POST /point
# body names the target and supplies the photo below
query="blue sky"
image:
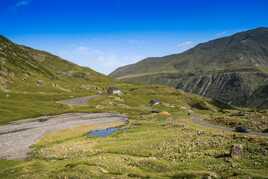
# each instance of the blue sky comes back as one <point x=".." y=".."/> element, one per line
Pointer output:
<point x="106" y="34"/>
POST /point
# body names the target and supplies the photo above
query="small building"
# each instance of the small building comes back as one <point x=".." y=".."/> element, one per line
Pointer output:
<point x="114" y="91"/>
<point x="155" y="102"/>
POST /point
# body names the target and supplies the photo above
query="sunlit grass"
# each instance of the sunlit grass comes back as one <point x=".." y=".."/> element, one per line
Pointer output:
<point x="151" y="145"/>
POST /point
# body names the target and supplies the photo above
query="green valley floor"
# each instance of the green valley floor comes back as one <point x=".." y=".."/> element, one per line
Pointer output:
<point x="159" y="141"/>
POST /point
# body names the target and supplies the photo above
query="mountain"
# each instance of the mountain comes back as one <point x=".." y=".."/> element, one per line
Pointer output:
<point x="232" y="69"/>
<point x="24" y="69"/>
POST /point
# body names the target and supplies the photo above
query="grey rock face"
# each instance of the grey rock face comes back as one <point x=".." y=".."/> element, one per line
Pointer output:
<point x="231" y="87"/>
<point x="232" y="69"/>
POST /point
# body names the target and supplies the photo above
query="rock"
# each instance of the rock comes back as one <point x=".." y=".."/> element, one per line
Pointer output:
<point x="200" y="105"/>
<point x="265" y="130"/>
<point x="99" y="92"/>
<point x="241" y="129"/>
<point x="155" y="102"/>
<point x="114" y="91"/>
<point x="43" y="119"/>
<point x="236" y="151"/>
<point x="200" y="133"/>
<point x="189" y="112"/>
<point x="39" y="82"/>
<point x="155" y="111"/>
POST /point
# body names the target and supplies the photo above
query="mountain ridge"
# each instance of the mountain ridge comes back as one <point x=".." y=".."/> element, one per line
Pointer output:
<point x="24" y="68"/>
<point x="200" y="67"/>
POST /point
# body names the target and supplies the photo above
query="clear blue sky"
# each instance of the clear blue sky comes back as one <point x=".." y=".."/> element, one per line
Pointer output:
<point x="105" y="34"/>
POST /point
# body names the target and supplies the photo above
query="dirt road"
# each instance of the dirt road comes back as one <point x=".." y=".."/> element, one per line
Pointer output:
<point x="17" y="137"/>
<point x="199" y="121"/>
<point x="78" y="101"/>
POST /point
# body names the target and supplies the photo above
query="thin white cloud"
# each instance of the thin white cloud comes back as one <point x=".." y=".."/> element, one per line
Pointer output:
<point x="22" y="3"/>
<point x="99" y="60"/>
<point x="220" y="34"/>
<point x="182" y="46"/>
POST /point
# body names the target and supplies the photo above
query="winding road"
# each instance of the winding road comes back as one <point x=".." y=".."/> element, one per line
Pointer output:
<point x="78" y="101"/>
<point x="199" y="121"/>
<point x="17" y="137"/>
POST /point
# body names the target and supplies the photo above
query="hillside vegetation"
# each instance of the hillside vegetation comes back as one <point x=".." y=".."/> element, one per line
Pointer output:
<point x="230" y="69"/>
<point x="159" y="141"/>
<point x="31" y="81"/>
<point x="26" y="69"/>
<point x="151" y="145"/>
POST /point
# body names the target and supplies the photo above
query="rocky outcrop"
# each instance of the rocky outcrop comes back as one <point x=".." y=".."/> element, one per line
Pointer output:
<point x="259" y="98"/>
<point x="231" y="87"/>
<point x="231" y="69"/>
<point x="241" y="88"/>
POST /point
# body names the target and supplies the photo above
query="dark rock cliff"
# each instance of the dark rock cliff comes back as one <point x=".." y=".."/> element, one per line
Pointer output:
<point x="232" y="69"/>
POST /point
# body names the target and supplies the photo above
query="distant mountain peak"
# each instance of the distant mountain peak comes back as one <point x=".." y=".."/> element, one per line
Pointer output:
<point x="229" y="69"/>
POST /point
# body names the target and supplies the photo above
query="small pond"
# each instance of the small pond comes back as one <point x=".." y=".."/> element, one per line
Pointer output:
<point x="102" y="132"/>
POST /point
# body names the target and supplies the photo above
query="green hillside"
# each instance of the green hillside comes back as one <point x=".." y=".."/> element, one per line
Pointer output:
<point x="160" y="141"/>
<point x="26" y="69"/>
<point x="228" y="69"/>
<point x="31" y="81"/>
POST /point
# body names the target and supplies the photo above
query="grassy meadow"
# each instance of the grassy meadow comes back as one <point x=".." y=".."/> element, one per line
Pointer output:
<point x="150" y="145"/>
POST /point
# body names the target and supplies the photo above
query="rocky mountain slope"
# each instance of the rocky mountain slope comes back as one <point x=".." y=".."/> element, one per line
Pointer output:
<point x="24" y="69"/>
<point x="232" y="69"/>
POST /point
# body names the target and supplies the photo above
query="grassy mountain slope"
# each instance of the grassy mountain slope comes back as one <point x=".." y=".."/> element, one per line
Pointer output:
<point x="152" y="145"/>
<point x="26" y="69"/>
<point x="228" y="69"/>
<point x="32" y="80"/>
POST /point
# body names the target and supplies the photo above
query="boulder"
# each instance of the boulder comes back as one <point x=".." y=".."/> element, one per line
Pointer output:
<point x="155" y="102"/>
<point x="241" y="129"/>
<point x="200" y="105"/>
<point x="39" y="82"/>
<point x="43" y="119"/>
<point x="99" y="92"/>
<point x="155" y="111"/>
<point x="236" y="151"/>
<point x="265" y="130"/>
<point x="189" y="112"/>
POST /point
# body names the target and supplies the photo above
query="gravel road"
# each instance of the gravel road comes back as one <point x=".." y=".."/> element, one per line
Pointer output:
<point x="199" y="121"/>
<point x="17" y="137"/>
<point x="78" y="101"/>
